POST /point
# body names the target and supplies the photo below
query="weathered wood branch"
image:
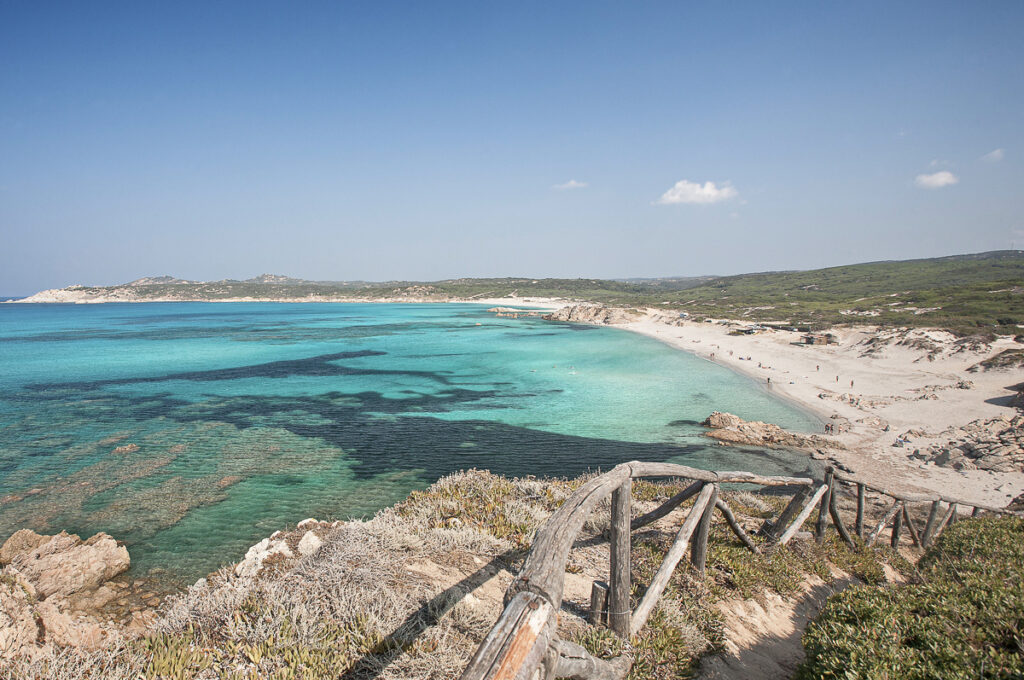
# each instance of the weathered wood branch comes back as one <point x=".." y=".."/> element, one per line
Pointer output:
<point x="884" y="521"/>
<point x="805" y="512"/>
<point x="822" y="523"/>
<point x="672" y="557"/>
<point x="910" y="497"/>
<point x="517" y="644"/>
<point x="773" y="530"/>
<point x="726" y="511"/>
<point x="645" y="469"/>
<point x="911" y="529"/>
<point x="544" y="569"/>
<point x="946" y="520"/>
<point x="667" y="507"/>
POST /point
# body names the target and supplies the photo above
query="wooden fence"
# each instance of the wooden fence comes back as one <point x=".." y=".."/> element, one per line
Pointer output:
<point x="524" y="645"/>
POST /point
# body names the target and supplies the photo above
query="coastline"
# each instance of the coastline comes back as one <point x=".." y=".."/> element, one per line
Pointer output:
<point x="884" y="389"/>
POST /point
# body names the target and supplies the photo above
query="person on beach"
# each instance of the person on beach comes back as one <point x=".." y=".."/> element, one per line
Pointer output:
<point x="851" y="383"/>
<point x="769" y="380"/>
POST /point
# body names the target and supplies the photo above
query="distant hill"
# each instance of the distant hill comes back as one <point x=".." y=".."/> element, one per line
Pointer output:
<point x="960" y="292"/>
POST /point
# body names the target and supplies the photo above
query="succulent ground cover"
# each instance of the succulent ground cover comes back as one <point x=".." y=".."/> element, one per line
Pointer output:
<point x="963" y="619"/>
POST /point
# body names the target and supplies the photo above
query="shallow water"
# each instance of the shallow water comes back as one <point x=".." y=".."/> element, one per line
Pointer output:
<point x="192" y="430"/>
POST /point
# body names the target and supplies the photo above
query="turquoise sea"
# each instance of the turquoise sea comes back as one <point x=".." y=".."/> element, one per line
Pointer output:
<point x="192" y="430"/>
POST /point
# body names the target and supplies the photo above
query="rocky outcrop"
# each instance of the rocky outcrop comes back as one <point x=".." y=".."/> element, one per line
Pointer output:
<point x="50" y="589"/>
<point x="18" y="630"/>
<point x="20" y="542"/>
<point x="254" y="558"/>
<point x="284" y="547"/>
<point x="730" y="429"/>
<point x="996" y="444"/>
<point x="594" y="314"/>
<point x="63" y="565"/>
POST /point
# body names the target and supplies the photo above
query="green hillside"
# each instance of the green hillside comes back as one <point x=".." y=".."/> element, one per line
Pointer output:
<point x="965" y="293"/>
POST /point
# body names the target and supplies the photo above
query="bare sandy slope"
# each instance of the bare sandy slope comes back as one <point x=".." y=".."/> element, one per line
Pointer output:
<point x="863" y="391"/>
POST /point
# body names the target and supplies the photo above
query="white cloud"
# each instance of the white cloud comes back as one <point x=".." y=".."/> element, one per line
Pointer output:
<point x="685" y="191"/>
<point x="994" y="156"/>
<point x="571" y="184"/>
<point x="936" y="180"/>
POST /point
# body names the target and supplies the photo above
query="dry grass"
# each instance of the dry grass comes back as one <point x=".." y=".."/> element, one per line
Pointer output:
<point x="411" y="592"/>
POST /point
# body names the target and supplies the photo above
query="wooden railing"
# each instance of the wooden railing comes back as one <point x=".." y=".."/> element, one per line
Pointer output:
<point x="524" y="645"/>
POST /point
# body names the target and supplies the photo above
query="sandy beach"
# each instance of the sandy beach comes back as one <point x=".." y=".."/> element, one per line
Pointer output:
<point x="872" y="390"/>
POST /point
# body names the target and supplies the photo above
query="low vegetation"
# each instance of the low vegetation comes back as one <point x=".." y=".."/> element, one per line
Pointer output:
<point x="964" y="619"/>
<point x="389" y="597"/>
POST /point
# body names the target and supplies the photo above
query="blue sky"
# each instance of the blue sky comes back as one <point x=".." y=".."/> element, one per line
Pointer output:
<point x="383" y="140"/>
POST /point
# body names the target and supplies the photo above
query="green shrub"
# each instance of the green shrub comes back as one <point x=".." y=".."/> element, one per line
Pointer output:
<point x="965" y="619"/>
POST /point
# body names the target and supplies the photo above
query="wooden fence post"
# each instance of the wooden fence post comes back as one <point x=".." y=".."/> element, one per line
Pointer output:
<point x="699" y="552"/>
<point x="929" y="528"/>
<point x="860" y="510"/>
<point x="598" y="603"/>
<point x="897" y="528"/>
<point x="618" y="595"/>
<point x="833" y="510"/>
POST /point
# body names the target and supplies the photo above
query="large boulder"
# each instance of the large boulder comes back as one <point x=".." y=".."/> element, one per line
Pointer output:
<point x="64" y="564"/>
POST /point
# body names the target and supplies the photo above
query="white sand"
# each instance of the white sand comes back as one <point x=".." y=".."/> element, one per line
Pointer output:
<point x="887" y="384"/>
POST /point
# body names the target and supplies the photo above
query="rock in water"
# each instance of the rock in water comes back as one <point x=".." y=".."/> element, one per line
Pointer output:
<point x="725" y="427"/>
